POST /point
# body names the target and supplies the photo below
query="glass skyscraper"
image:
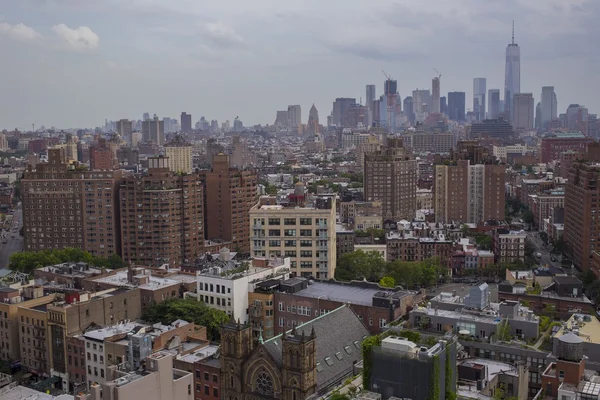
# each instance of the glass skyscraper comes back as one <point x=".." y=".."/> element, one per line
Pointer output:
<point x="512" y="76"/>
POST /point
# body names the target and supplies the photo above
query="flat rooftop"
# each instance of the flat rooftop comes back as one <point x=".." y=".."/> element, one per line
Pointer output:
<point x="22" y="392"/>
<point x="103" y="333"/>
<point x="588" y="326"/>
<point x="120" y="279"/>
<point x="201" y="354"/>
<point x="343" y="293"/>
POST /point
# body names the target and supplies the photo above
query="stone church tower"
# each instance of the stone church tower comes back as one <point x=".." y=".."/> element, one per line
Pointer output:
<point x="249" y="373"/>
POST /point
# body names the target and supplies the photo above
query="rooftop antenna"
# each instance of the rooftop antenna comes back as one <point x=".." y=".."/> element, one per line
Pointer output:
<point x="513" y="32"/>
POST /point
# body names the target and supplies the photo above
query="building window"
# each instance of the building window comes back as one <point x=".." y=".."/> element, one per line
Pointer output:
<point x="370" y="321"/>
<point x="561" y="374"/>
<point x="206" y="390"/>
<point x="281" y="322"/>
<point x="215" y="379"/>
<point x="215" y="392"/>
<point x="206" y="375"/>
<point x="189" y="389"/>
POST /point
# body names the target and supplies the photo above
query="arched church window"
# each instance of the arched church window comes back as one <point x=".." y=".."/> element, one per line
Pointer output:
<point x="264" y="383"/>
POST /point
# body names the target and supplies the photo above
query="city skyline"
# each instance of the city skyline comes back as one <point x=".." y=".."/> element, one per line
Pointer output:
<point x="76" y="53"/>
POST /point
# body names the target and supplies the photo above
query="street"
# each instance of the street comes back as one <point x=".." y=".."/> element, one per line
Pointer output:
<point x="14" y="242"/>
<point x="538" y="244"/>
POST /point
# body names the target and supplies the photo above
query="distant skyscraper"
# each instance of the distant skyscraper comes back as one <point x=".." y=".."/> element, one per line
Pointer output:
<point x="523" y="111"/>
<point x="409" y="111"/>
<point x="186" y="122"/>
<point x="294" y="116"/>
<point x="538" y="116"/>
<point x="371" y="93"/>
<point x="340" y="107"/>
<point x="443" y="105"/>
<point x="479" y="88"/>
<point x="456" y="106"/>
<point x="435" y="95"/>
<point x="146" y="116"/>
<point x="153" y="130"/>
<point x="124" y="128"/>
<point x="313" y="121"/>
<point x="281" y="120"/>
<point x="549" y="105"/>
<point x="391" y="95"/>
<point x="421" y="104"/>
<point x="512" y="76"/>
<point x="493" y="103"/>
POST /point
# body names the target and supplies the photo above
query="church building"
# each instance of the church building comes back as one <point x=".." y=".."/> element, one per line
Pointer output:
<point x="307" y="360"/>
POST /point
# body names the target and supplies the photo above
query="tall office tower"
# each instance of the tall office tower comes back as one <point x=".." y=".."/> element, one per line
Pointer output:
<point x="390" y="95"/>
<point x="512" y="75"/>
<point x="340" y="107"/>
<point x="124" y="128"/>
<point x="493" y="103"/>
<point x="390" y="176"/>
<point x="421" y="104"/>
<point x="538" y="116"/>
<point x="371" y="94"/>
<point x="230" y="194"/>
<point x="582" y="232"/>
<point x="576" y="118"/>
<point x="304" y="232"/>
<point x="161" y="216"/>
<point x="153" y="130"/>
<point x="186" y="122"/>
<point x="409" y="111"/>
<point x="435" y="95"/>
<point x="443" y="105"/>
<point x="103" y="155"/>
<point x="549" y="106"/>
<point x="456" y="106"/>
<point x="146" y="116"/>
<point x="179" y="155"/>
<point x="294" y="117"/>
<point x="468" y="193"/>
<point x="479" y="88"/>
<point x="61" y="207"/>
<point x="313" y="121"/>
<point x="281" y="119"/>
<point x="523" y="111"/>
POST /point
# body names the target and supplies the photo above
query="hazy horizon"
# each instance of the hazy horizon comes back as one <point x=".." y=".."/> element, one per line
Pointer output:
<point x="74" y="63"/>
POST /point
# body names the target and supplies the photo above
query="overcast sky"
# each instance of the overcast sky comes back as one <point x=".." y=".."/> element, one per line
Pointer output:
<point x="73" y="63"/>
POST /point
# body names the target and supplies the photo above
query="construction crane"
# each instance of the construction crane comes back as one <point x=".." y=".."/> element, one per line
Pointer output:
<point x="438" y="72"/>
<point x="388" y="77"/>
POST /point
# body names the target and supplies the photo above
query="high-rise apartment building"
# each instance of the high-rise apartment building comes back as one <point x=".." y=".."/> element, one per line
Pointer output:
<point x="179" y="155"/>
<point x="523" y="110"/>
<point x="186" y="122"/>
<point x="479" y="89"/>
<point x="281" y="119"/>
<point x="304" y="233"/>
<point x="549" y="106"/>
<point x="162" y="216"/>
<point x="435" y="95"/>
<point x="313" y="121"/>
<point x="340" y="108"/>
<point x="512" y="75"/>
<point x="124" y="127"/>
<point x="153" y="130"/>
<point x="370" y="98"/>
<point x="66" y="207"/>
<point x="456" y="106"/>
<point x="421" y="103"/>
<point x="493" y="103"/>
<point x="103" y="155"/>
<point x="390" y="176"/>
<point x="294" y="116"/>
<point x="230" y="194"/>
<point x="468" y="193"/>
<point x="538" y="116"/>
<point x="443" y="105"/>
<point x="582" y="231"/>
<point x="409" y="111"/>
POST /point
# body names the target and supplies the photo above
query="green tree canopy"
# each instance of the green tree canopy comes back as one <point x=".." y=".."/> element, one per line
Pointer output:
<point x="27" y="261"/>
<point x="387" y="281"/>
<point x="359" y="265"/>
<point x="189" y="310"/>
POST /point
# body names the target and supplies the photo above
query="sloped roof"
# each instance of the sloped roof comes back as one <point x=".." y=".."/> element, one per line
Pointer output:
<point x="339" y="336"/>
